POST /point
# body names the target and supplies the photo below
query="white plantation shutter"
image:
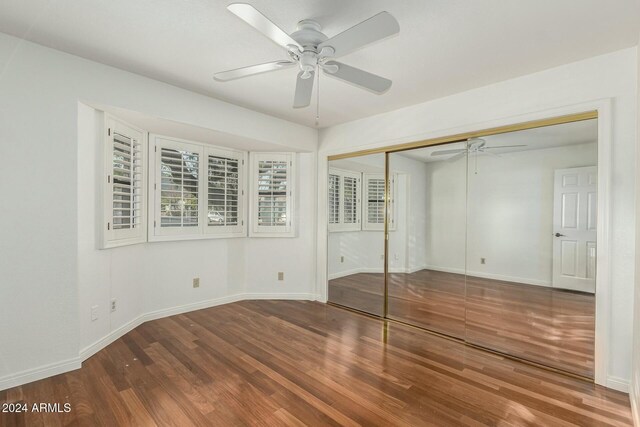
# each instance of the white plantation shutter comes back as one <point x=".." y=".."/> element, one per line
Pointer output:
<point x="374" y="202"/>
<point x="179" y="187"/>
<point x="199" y="190"/>
<point x="344" y="200"/>
<point x="272" y="197"/>
<point x="124" y="192"/>
<point x="225" y="191"/>
<point x="334" y="198"/>
<point x="351" y="196"/>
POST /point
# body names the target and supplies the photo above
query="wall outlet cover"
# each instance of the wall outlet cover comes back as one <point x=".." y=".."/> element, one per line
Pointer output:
<point x="196" y="282"/>
<point x="280" y="275"/>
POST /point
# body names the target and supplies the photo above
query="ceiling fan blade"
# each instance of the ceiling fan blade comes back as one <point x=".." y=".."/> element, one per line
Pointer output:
<point x="252" y="70"/>
<point x="447" y="152"/>
<point x="376" y="28"/>
<point x="257" y="20"/>
<point x="489" y="153"/>
<point x="503" y="146"/>
<point x="457" y="156"/>
<point x="360" y="78"/>
<point x="304" y="88"/>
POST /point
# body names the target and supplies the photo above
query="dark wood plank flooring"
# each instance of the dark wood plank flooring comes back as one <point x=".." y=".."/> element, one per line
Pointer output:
<point x="544" y="325"/>
<point x="272" y="363"/>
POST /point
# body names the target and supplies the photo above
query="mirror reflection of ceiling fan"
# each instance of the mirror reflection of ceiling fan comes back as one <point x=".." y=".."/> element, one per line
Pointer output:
<point x="474" y="146"/>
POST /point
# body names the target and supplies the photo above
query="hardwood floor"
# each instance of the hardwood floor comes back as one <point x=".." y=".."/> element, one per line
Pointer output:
<point x="544" y="325"/>
<point x="271" y="363"/>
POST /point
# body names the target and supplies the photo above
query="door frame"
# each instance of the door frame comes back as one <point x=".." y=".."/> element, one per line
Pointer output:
<point x="600" y="109"/>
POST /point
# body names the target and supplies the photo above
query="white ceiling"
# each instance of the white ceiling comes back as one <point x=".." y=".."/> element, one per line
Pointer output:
<point x="533" y="139"/>
<point x="444" y="46"/>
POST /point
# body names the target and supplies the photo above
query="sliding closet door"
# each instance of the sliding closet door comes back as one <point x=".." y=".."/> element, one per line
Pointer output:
<point x="531" y="244"/>
<point x="356" y="214"/>
<point x="426" y="280"/>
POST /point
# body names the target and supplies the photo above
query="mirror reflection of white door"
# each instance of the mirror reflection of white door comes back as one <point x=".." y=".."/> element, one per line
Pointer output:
<point x="574" y="228"/>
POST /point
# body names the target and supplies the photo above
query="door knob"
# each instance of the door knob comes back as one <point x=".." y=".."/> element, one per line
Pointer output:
<point x="560" y="235"/>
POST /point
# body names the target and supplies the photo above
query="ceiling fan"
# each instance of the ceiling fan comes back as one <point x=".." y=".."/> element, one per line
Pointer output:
<point x="311" y="50"/>
<point x="474" y="146"/>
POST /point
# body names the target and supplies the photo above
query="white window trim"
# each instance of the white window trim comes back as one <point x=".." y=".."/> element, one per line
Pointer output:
<point x="288" y="230"/>
<point x="202" y="231"/>
<point x="366" y="226"/>
<point x="110" y="237"/>
<point x="341" y="225"/>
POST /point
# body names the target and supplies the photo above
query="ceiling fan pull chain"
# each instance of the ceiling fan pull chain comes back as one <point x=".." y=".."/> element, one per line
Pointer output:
<point x="318" y="98"/>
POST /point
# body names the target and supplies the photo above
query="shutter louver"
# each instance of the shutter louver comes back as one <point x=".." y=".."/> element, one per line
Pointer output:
<point x="179" y="188"/>
<point x="375" y="201"/>
<point x="223" y="191"/>
<point x="272" y="193"/>
<point x="127" y="182"/>
<point x="334" y="199"/>
<point x="350" y="200"/>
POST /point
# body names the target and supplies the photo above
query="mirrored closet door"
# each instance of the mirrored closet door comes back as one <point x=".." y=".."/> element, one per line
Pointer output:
<point x="426" y="279"/>
<point x="531" y="244"/>
<point x="356" y="215"/>
<point x="491" y="241"/>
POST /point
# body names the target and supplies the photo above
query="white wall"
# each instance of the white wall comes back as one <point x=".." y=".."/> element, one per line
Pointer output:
<point x="50" y="273"/>
<point x="510" y="213"/>
<point x="612" y="76"/>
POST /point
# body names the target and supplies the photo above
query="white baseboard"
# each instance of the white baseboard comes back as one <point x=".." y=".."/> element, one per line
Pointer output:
<point x="39" y="373"/>
<point x="92" y="349"/>
<point x="445" y="269"/>
<point x="185" y="308"/>
<point x="485" y="275"/>
<point x="617" y="383"/>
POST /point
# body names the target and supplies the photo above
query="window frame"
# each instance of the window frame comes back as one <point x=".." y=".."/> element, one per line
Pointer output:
<point x="288" y="230"/>
<point x="202" y="231"/>
<point x="110" y="236"/>
<point x="341" y="225"/>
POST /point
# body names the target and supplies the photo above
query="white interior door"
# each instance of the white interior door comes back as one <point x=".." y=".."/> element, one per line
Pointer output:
<point x="574" y="228"/>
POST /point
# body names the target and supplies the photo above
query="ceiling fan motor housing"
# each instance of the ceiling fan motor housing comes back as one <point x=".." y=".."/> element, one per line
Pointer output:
<point x="309" y="36"/>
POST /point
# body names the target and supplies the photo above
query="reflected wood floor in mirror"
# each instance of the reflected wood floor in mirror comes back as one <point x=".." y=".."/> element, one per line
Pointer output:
<point x="306" y="363"/>
<point x="541" y="324"/>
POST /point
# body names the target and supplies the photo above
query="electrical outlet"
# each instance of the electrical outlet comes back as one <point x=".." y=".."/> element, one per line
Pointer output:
<point x="280" y="275"/>
<point x="196" y="282"/>
<point x="342" y="259"/>
<point x="396" y="257"/>
<point x="94" y="313"/>
<point x="114" y="305"/>
<point x="483" y="261"/>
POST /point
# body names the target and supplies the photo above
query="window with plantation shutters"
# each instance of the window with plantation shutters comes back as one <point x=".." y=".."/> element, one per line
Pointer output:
<point x="344" y="200"/>
<point x="272" y="195"/>
<point x="198" y="190"/>
<point x="374" y="202"/>
<point x="125" y="184"/>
